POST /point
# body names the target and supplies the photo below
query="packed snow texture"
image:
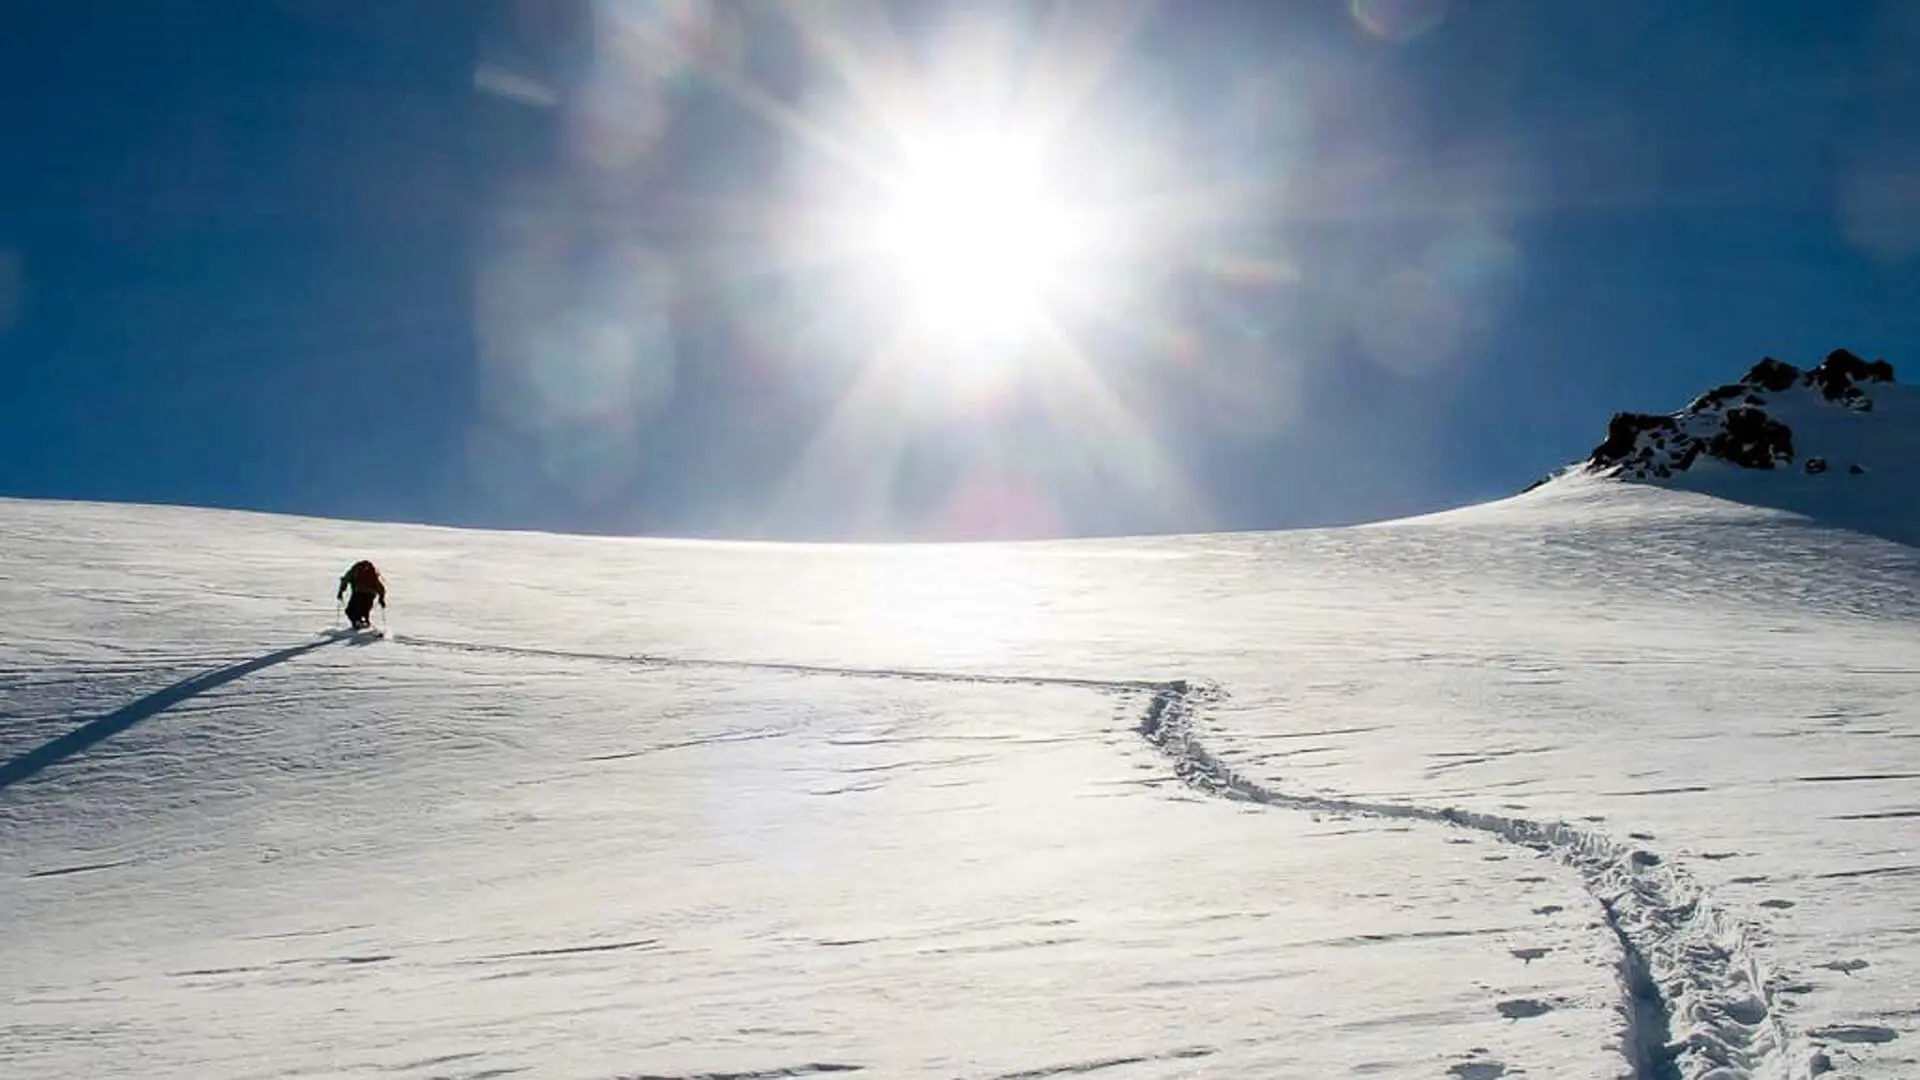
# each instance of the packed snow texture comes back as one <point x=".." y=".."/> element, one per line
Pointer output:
<point x="1604" y="780"/>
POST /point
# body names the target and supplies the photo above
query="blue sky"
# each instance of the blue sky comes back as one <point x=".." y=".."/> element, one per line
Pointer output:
<point x="573" y="266"/>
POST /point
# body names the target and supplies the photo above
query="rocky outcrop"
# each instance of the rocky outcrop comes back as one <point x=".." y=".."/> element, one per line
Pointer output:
<point x="1645" y="444"/>
<point x="1771" y="374"/>
<point x="1721" y="395"/>
<point x="1841" y="374"/>
<point x="1751" y="439"/>
<point x="1731" y="423"/>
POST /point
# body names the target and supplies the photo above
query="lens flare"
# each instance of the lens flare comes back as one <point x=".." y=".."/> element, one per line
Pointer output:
<point x="1399" y="20"/>
<point x="1879" y="202"/>
<point x="1424" y="315"/>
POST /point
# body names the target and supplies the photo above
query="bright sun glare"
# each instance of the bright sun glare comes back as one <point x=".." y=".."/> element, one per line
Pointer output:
<point x="979" y="242"/>
<point x="986" y="238"/>
<point x="986" y="206"/>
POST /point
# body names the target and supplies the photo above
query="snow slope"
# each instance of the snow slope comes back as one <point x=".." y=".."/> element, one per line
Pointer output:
<point x="1605" y="780"/>
<point x="1884" y="443"/>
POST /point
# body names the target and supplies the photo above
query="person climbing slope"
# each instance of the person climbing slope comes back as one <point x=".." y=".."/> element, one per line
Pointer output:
<point x="364" y="579"/>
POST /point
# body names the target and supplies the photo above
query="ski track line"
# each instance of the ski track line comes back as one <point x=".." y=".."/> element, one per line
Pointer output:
<point x="1697" y="1002"/>
<point x="1685" y="964"/>
<point x="1698" y="1005"/>
<point x="898" y="674"/>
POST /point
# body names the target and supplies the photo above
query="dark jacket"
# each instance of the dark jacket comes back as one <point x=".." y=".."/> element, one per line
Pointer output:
<point x="361" y="577"/>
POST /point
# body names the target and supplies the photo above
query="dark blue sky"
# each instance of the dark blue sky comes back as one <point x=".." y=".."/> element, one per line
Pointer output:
<point x="537" y="265"/>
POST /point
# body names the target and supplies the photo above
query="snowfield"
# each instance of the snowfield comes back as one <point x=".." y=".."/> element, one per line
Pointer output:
<point x="1605" y="780"/>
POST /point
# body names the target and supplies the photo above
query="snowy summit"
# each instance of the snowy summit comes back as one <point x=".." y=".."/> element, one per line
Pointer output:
<point x="1615" y="778"/>
<point x="1845" y="425"/>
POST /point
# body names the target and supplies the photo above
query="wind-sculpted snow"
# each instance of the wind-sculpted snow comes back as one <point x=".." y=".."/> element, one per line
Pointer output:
<point x="1602" y="780"/>
<point x="1681" y="956"/>
<point x="1696" y="1004"/>
<point x="740" y="967"/>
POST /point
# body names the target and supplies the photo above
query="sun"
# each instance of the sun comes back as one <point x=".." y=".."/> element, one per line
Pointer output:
<point x="978" y="211"/>
<point x="973" y="236"/>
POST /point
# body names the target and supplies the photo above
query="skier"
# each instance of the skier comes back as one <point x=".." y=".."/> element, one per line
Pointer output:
<point x="367" y="587"/>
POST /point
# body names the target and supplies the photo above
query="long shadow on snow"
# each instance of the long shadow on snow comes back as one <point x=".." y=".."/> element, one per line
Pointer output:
<point x="100" y="729"/>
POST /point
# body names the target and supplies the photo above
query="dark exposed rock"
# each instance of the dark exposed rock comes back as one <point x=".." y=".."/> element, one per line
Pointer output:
<point x="1844" y="392"/>
<point x="1771" y="374"/>
<point x="1720" y="395"/>
<point x="1847" y="362"/>
<point x="1732" y="422"/>
<point x="1839" y="375"/>
<point x="1752" y="439"/>
<point x="1623" y="435"/>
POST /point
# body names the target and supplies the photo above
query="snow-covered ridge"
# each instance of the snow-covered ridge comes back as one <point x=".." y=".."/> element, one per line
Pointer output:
<point x="1733" y="423"/>
<point x="1839" y="443"/>
<point x="1621" y="775"/>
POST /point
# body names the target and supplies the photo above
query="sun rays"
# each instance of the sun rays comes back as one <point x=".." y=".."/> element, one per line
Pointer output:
<point x="971" y="196"/>
<point x="970" y="251"/>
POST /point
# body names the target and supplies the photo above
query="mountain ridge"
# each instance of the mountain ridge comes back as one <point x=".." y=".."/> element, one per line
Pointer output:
<point x="1838" y="442"/>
